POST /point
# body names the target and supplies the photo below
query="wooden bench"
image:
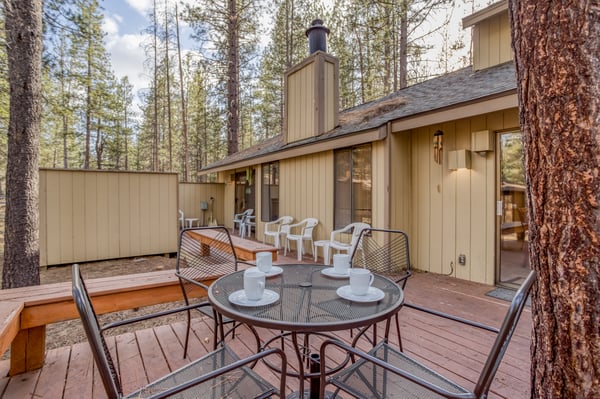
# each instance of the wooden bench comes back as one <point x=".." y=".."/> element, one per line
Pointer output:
<point x="244" y="249"/>
<point x="26" y="311"/>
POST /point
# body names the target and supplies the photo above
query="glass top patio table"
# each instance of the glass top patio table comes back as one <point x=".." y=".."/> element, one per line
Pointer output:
<point x="308" y="304"/>
<point x="308" y="301"/>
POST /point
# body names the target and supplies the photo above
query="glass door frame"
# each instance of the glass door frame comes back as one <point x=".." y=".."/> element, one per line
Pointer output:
<point x="511" y="254"/>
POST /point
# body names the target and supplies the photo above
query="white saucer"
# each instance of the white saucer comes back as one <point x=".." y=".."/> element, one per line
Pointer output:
<point x="330" y="272"/>
<point x="374" y="294"/>
<point x="239" y="298"/>
<point x="275" y="271"/>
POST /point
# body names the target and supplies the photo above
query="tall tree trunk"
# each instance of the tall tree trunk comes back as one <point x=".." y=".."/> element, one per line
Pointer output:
<point x="23" y="24"/>
<point x="184" y="134"/>
<point x="88" y="108"/>
<point x="557" y="52"/>
<point x="155" y="116"/>
<point x="403" y="79"/>
<point x="168" y="89"/>
<point x="99" y="144"/>
<point x="233" y="79"/>
<point x="65" y="121"/>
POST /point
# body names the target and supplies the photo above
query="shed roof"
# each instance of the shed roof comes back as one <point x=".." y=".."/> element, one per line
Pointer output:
<point x="450" y="90"/>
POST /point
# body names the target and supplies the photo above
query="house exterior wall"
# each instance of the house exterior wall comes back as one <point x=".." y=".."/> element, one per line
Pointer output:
<point x="491" y="42"/>
<point x="446" y="212"/>
<point x="92" y="215"/>
<point x="192" y="194"/>
<point x="306" y="190"/>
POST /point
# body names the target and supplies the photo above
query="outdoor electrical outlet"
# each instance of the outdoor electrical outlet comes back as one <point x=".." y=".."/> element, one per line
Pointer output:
<point x="462" y="259"/>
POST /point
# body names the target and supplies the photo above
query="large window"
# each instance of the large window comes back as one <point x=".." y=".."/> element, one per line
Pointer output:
<point x="353" y="185"/>
<point x="270" y="192"/>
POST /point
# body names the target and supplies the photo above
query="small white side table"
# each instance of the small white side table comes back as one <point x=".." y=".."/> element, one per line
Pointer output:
<point x="325" y="245"/>
<point x="190" y="221"/>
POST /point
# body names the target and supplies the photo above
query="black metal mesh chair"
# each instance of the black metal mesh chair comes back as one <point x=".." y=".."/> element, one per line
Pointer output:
<point x="385" y="372"/>
<point x="204" y="254"/>
<point x="218" y="374"/>
<point x="385" y="252"/>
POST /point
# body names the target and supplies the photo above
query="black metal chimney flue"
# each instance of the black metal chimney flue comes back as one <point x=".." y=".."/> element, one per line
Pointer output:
<point x="317" y="37"/>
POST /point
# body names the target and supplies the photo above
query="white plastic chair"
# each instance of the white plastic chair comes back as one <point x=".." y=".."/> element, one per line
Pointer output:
<point x="238" y="219"/>
<point x="338" y="245"/>
<point x="181" y="219"/>
<point x="246" y="226"/>
<point x="306" y="234"/>
<point x="277" y="229"/>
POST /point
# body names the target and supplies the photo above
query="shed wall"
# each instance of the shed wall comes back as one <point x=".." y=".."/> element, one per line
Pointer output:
<point x="94" y="215"/>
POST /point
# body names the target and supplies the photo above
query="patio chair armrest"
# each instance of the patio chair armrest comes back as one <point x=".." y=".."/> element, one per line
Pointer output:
<point x="230" y="367"/>
<point x="296" y="226"/>
<point x="471" y="323"/>
<point x="337" y="232"/>
<point x="372" y="359"/>
<point x="153" y="315"/>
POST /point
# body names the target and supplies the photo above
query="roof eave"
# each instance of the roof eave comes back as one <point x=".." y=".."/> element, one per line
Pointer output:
<point x="294" y="150"/>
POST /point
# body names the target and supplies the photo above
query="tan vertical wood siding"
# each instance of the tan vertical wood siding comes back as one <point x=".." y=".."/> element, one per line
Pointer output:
<point x="300" y="104"/>
<point x="491" y="42"/>
<point x="447" y="212"/>
<point x="306" y="190"/>
<point x="312" y="97"/>
<point x="93" y="215"/>
<point x="191" y="196"/>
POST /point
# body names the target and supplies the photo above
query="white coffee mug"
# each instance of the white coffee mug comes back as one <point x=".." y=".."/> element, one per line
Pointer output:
<point x="254" y="284"/>
<point x="264" y="261"/>
<point x="360" y="281"/>
<point x="341" y="263"/>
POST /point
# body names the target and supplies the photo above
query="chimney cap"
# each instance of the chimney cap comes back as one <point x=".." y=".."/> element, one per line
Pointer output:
<point x="317" y="24"/>
<point x="317" y="40"/>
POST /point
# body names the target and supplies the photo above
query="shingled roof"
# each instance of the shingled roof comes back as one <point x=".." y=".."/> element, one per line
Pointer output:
<point x="447" y="91"/>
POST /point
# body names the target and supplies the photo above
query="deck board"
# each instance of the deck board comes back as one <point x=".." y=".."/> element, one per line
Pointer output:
<point x="149" y="353"/>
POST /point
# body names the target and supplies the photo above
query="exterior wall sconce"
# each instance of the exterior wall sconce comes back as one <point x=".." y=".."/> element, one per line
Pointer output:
<point x="438" y="146"/>
<point x="482" y="142"/>
<point x="459" y="159"/>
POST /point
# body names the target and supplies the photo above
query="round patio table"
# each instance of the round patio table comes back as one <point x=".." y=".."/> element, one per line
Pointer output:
<point x="308" y="303"/>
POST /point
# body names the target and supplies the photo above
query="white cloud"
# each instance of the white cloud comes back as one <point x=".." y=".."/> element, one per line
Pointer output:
<point x="128" y="58"/>
<point x="141" y="6"/>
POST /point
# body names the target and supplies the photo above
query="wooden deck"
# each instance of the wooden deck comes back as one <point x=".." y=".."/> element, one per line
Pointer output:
<point x="147" y="354"/>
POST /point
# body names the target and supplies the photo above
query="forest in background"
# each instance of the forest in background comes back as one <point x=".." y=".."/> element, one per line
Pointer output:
<point x="224" y="95"/>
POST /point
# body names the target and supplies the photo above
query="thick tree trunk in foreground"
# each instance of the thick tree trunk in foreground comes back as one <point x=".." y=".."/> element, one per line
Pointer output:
<point x="557" y="50"/>
<point x="24" y="44"/>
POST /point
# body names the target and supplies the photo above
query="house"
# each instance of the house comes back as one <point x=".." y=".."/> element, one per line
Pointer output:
<point x="441" y="160"/>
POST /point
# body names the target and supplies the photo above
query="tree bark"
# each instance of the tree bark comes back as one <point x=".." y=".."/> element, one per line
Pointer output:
<point x="557" y="53"/>
<point x="233" y="79"/>
<point x="23" y="26"/>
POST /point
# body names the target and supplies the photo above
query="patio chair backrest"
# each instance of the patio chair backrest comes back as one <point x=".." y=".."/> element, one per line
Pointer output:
<point x="504" y="335"/>
<point x="385" y="252"/>
<point x="203" y="253"/>
<point x="310" y="224"/>
<point x="100" y="351"/>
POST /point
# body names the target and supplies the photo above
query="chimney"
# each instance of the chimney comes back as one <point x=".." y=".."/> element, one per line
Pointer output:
<point x="317" y="37"/>
<point x="312" y="90"/>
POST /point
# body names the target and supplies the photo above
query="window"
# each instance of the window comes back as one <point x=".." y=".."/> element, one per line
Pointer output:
<point x="352" y="185"/>
<point x="270" y="192"/>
